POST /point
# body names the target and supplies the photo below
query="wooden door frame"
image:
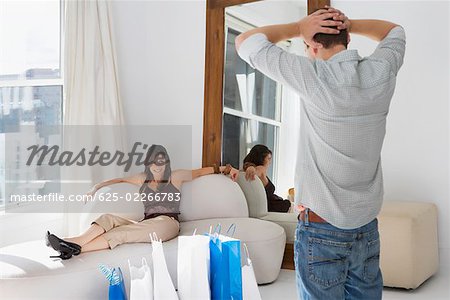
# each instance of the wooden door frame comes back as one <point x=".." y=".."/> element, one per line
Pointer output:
<point x="214" y="67"/>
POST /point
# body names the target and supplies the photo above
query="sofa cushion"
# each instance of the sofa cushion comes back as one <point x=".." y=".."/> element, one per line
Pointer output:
<point x="286" y="220"/>
<point x="255" y="194"/>
<point x="31" y="259"/>
<point x="212" y="196"/>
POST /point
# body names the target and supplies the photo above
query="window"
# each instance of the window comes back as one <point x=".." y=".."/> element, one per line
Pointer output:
<point x="252" y="104"/>
<point x="31" y="82"/>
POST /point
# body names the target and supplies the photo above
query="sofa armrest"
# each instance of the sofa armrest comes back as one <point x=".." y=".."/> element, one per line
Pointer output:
<point x="255" y="195"/>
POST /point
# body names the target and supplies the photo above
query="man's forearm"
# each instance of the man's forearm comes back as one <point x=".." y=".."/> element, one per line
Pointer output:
<point x="274" y="33"/>
<point x="373" y="29"/>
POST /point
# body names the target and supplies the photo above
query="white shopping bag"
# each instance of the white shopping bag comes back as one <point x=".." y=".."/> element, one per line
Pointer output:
<point x="162" y="282"/>
<point x="193" y="267"/>
<point x="250" y="289"/>
<point x="141" y="285"/>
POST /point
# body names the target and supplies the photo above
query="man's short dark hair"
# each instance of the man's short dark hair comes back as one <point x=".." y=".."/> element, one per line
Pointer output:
<point x="328" y="39"/>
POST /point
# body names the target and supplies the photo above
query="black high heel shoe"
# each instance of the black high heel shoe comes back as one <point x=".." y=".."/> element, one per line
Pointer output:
<point x="61" y="245"/>
<point x="65" y="251"/>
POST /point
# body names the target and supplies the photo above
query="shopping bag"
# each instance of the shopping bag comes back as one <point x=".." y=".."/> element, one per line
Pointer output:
<point x="163" y="288"/>
<point x="193" y="267"/>
<point x="116" y="289"/>
<point x="250" y="289"/>
<point x="225" y="265"/>
<point x="141" y="284"/>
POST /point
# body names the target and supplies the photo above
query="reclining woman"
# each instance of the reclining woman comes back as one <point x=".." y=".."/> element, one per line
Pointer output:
<point x="157" y="181"/>
<point x="257" y="162"/>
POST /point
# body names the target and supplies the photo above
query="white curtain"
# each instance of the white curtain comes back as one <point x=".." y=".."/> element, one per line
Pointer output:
<point x="92" y="94"/>
<point x="90" y="65"/>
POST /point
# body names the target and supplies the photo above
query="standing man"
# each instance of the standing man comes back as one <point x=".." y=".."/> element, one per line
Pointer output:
<point x="339" y="183"/>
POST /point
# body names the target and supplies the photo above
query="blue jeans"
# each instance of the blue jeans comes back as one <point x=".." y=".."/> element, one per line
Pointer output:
<point x="333" y="263"/>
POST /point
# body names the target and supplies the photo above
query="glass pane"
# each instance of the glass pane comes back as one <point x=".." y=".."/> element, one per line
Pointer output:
<point x="39" y="106"/>
<point x="265" y="99"/>
<point x="245" y="88"/>
<point x="233" y="64"/>
<point x="240" y="135"/>
<point x="30" y="39"/>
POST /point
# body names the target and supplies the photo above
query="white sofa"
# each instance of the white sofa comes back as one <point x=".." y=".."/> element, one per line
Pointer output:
<point x="28" y="272"/>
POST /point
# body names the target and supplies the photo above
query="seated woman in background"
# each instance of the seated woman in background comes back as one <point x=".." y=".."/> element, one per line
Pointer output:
<point x="257" y="162"/>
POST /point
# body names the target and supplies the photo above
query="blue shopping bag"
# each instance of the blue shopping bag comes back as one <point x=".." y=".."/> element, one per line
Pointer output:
<point x="116" y="289"/>
<point x="225" y="266"/>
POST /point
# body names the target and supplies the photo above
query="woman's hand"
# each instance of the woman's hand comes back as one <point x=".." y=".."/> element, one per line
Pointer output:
<point x="92" y="191"/>
<point x="234" y="173"/>
<point x="250" y="173"/>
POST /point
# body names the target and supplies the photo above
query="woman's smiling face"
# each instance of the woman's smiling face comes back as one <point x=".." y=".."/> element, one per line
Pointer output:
<point x="158" y="166"/>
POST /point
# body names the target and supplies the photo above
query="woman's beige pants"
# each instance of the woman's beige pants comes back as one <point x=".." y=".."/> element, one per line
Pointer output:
<point x="119" y="230"/>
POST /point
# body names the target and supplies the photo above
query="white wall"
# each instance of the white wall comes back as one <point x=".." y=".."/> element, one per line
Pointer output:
<point x="415" y="156"/>
<point x="160" y="46"/>
<point x="161" y="60"/>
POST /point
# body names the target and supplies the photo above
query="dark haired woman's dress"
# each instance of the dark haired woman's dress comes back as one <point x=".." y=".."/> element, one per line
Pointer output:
<point x="274" y="202"/>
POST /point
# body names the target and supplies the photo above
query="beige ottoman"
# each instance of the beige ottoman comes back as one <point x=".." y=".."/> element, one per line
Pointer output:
<point x="409" y="243"/>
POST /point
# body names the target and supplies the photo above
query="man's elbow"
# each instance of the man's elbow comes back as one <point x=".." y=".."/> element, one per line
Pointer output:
<point x="238" y="41"/>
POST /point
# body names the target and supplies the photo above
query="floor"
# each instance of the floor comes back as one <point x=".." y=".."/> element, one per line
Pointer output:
<point x="435" y="288"/>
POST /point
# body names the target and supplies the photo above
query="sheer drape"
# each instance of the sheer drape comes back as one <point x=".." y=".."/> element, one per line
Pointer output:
<point x="90" y="66"/>
<point x="92" y="96"/>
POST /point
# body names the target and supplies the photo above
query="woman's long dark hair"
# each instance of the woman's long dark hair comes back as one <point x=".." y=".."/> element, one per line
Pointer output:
<point x="153" y="152"/>
<point x="257" y="155"/>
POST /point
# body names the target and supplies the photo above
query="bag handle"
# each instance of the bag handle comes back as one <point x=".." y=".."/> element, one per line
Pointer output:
<point x="218" y="228"/>
<point x="232" y="227"/>
<point x="216" y="232"/>
<point x="144" y="261"/>
<point x="107" y="271"/>
<point x="118" y="276"/>
<point x="151" y="238"/>
<point x="154" y="237"/>
<point x="247" y="256"/>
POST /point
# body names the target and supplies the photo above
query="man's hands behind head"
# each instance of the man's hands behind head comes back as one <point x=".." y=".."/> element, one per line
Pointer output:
<point x="319" y="22"/>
